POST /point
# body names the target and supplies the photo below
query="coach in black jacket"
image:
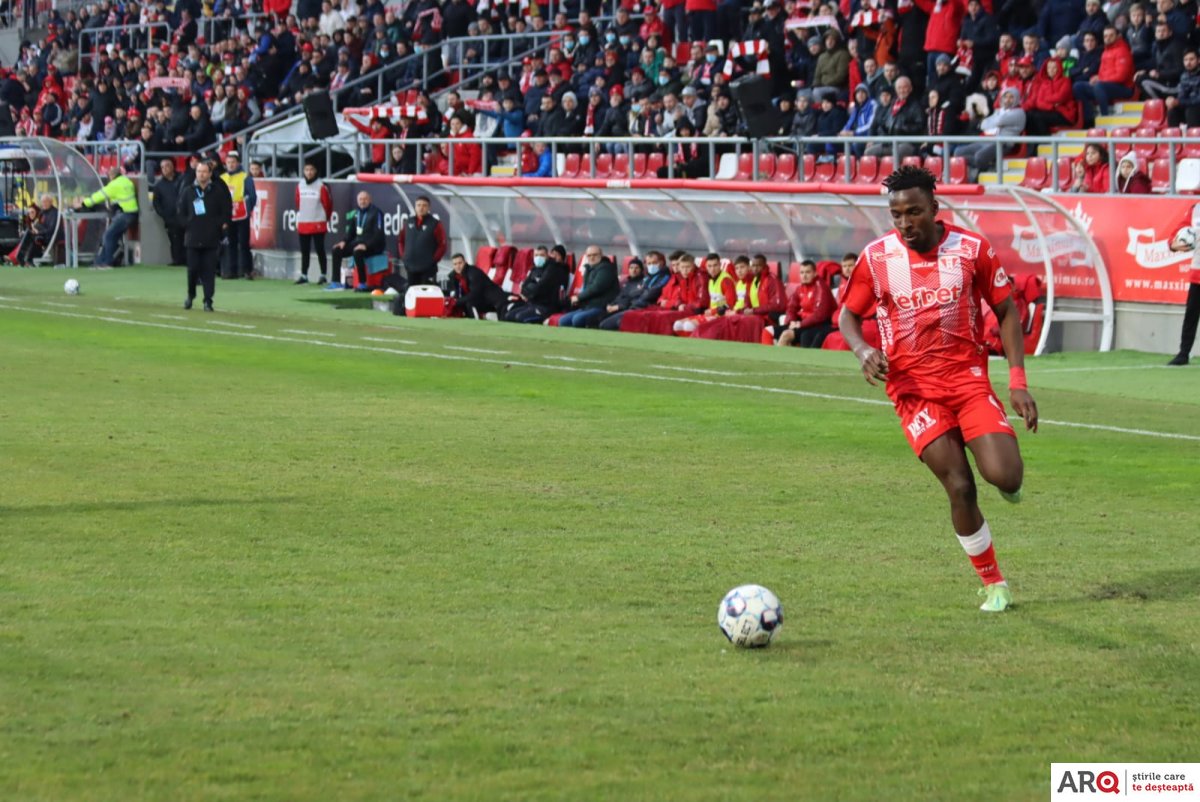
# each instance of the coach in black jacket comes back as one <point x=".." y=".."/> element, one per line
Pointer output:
<point x="542" y="290"/>
<point x="365" y="229"/>
<point x="204" y="210"/>
<point x="477" y="293"/>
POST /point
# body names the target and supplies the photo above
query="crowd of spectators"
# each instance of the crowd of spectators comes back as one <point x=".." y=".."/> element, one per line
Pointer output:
<point x="183" y="79"/>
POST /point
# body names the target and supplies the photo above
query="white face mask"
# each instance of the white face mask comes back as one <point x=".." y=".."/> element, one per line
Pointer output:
<point x="653" y="268"/>
<point x="539" y="261"/>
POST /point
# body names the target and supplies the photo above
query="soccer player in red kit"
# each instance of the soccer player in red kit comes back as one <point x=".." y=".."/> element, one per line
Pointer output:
<point x="929" y="280"/>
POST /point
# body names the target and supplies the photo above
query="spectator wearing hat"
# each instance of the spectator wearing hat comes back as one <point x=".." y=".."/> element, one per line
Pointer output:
<point x="860" y="117"/>
<point x="695" y="109"/>
<point x="949" y="86"/>
<point x="615" y="122"/>
<point x="832" y="72"/>
<point x="1113" y="81"/>
<point x="1007" y="120"/>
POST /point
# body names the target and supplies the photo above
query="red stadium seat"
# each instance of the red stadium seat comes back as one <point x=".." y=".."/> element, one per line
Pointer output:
<point x="1145" y="149"/>
<point x="483" y="257"/>
<point x="1036" y="174"/>
<point x="935" y="165"/>
<point x="745" y="168"/>
<point x="958" y="170"/>
<point x="1191" y="149"/>
<point x="792" y="279"/>
<point x="1154" y="114"/>
<point x="840" y="174"/>
<point x="827" y="269"/>
<point x="604" y="165"/>
<point x="1065" y="177"/>
<point x="1160" y="175"/>
<point x="809" y="167"/>
<point x="887" y="166"/>
<point x="1097" y="133"/>
<point x="825" y="170"/>
<point x="766" y="166"/>
<point x="910" y="161"/>
<point x="639" y="165"/>
<point x="520" y="269"/>
<point x="653" y="162"/>
<point x="1119" y="149"/>
<point x="1164" y="150"/>
<point x="620" y="166"/>
<point x="571" y="166"/>
<point x="785" y="167"/>
<point x="868" y="170"/>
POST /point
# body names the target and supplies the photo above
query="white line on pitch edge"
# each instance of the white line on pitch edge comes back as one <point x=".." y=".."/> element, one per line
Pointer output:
<point x="391" y="342"/>
<point x="308" y="333"/>
<point x="698" y="370"/>
<point x="878" y="402"/>
<point x="170" y="317"/>
<point x="473" y="350"/>
<point x="230" y="325"/>
<point x="1115" y="367"/>
<point x="577" y="359"/>
<point x="64" y="306"/>
<point x="114" y="311"/>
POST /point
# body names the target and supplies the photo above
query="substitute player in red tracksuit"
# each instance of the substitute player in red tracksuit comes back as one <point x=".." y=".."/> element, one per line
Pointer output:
<point x="929" y="280"/>
<point x="809" y="311"/>
<point x="314" y="209"/>
<point x="1191" y="312"/>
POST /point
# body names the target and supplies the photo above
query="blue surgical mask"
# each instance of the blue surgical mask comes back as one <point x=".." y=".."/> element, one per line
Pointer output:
<point x="711" y="58"/>
<point x="663" y="80"/>
<point x="569" y="44"/>
<point x="610" y="37"/>
<point x="539" y="261"/>
<point x="653" y="268"/>
<point x="637" y="107"/>
<point x="584" y="39"/>
<point x="417" y="48"/>
<point x="624" y="40"/>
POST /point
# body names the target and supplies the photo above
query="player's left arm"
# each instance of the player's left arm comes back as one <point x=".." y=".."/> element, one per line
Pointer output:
<point x="1014" y="348"/>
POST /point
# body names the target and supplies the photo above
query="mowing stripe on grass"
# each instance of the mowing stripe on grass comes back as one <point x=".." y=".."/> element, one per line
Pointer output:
<point x="572" y="369"/>
<point x="699" y="370"/>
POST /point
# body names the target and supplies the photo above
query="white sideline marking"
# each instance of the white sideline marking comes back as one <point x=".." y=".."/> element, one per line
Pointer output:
<point x="62" y="305"/>
<point x="230" y="325"/>
<point x="114" y="311"/>
<point x="564" y="368"/>
<point x="308" y="333"/>
<point x="698" y="370"/>
<point x="386" y="340"/>
<point x="6" y="298"/>
<point x="170" y="317"/>
<point x="1094" y="370"/>
<point x="576" y="359"/>
<point x="472" y="350"/>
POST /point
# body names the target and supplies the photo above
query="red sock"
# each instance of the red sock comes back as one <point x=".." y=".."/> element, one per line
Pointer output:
<point x="983" y="556"/>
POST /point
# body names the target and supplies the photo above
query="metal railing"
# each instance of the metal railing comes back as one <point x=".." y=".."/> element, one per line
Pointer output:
<point x="119" y="152"/>
<point x="290" y="156"/>
<point x="131" y="36"/>
<point x="214" y="29"/>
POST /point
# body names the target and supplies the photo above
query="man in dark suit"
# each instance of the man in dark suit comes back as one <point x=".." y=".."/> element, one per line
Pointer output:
<point x="540" y="294"/>
<point x="205" y="210"/>
<point x="365" y="230"/>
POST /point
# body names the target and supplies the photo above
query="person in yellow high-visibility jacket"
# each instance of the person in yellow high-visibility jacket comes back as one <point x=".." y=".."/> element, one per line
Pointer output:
<point x="122" y="193"/>
<point x="238" y="262"/>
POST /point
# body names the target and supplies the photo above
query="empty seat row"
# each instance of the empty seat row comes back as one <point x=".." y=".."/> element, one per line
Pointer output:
<point x="608" y="165"/>
<point x="857" y="170"/>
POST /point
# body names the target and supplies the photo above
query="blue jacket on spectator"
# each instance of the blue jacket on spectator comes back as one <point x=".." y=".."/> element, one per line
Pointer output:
<point x="545" y="168"/>
<point x="512" y="123"/>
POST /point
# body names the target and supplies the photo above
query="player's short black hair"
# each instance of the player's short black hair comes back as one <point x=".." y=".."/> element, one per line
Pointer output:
<point x="853" y="257"/>
<point x="420" y="198"/>
<point x="911" y="177"/>
<point x="459" y="256"/>
<point x="741" y="259"/>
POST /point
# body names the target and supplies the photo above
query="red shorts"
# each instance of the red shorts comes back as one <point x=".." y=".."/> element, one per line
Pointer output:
<point x="973" y="408"/>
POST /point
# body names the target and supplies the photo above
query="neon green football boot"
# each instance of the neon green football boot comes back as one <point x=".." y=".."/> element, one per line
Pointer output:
<point x="999" y="597"/>
<point x="1012" y="498"/>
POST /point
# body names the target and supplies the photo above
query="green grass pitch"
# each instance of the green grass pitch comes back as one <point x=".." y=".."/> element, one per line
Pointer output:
<point x="299" y="550"/>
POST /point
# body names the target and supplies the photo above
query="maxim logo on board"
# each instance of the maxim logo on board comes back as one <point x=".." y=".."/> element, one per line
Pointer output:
<point x="1151" y="253"/>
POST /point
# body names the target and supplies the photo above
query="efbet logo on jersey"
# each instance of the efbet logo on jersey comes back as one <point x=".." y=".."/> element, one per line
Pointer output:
<point x="927" y="297"/>
<point x="1118" y="781"/>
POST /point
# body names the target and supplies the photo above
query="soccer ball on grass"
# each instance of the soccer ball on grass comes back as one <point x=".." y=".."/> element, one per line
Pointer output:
<point x="71" y="287"/>
<point x="750" y="616"/>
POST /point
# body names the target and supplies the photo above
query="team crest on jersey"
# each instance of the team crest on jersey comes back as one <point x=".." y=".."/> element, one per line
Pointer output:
<point x="1001" y="277"/>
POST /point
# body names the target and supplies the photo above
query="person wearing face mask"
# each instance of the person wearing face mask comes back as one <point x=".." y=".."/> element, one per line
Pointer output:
<point x="648" y="288"/>
<point x="541" y="291"/>
<point x="585" y="49"/>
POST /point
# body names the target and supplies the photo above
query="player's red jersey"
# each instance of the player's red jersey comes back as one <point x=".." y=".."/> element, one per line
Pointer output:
<point x="930" y="318"/>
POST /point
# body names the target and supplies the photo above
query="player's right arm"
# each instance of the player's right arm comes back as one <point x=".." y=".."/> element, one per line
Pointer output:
<point x="860" y="296"/>
<point x="874" y="364"/>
